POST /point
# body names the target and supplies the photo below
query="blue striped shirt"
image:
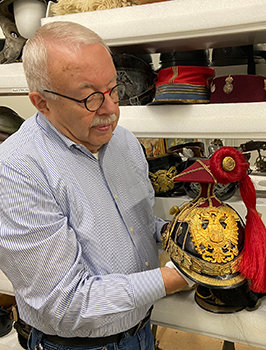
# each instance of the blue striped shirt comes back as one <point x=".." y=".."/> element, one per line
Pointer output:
<point x="78" y="238"/>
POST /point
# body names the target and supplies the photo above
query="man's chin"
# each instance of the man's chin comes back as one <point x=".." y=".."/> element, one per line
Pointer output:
<point x="101" y="138"/>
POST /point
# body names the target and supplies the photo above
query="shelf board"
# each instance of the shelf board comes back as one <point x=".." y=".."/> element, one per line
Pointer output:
<point x="230" y="120"/>
<point x="13" y="80"/>
<point x="180" y="311"/>
<point x="182" y="25"/>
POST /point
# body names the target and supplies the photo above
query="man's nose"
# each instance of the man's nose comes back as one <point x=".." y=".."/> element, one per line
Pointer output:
<point x="108" y="106"/>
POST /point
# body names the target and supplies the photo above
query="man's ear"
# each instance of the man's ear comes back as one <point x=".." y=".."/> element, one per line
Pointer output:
<point x="39" y="102"/>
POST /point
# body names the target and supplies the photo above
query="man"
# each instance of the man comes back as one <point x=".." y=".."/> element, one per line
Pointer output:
<point x="78" y="235"/>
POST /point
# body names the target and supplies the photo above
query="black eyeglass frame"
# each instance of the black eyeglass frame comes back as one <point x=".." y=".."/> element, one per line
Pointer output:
<point x="84" y="100"/>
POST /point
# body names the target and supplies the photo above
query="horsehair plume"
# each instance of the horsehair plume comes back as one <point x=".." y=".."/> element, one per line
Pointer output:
<point x="253" y="263"/>
<point x="64" y="7"/>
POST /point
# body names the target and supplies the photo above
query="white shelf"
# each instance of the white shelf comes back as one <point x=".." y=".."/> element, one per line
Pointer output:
<point x="5" y="285"/>
<point x="13" y="80"/>
<point x="180" y="24"/>
<point x="232" y="120"/>
<point x="180" y="311"/>
<point x="19" y="103"/>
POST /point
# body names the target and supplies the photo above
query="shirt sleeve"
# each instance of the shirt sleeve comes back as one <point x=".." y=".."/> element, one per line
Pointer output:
<point x="159" y="223"/>
<point x="42" y="257"/>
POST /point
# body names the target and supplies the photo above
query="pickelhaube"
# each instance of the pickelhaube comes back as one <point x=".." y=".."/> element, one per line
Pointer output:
<point x="162" y="170"/>
<point x="209" y="242"/>
<point x="138" y="76"/>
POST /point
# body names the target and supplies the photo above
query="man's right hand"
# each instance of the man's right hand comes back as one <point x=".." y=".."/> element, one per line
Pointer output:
<point x="172" y="280"/>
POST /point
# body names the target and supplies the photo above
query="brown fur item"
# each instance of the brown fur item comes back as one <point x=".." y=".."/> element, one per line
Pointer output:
<point x="64" y="7"/>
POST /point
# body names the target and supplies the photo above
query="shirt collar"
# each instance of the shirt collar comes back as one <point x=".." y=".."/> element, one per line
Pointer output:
<point x="50" y="129"/>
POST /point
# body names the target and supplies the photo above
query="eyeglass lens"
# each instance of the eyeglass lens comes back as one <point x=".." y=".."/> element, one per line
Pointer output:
<point x="95" y="100"/>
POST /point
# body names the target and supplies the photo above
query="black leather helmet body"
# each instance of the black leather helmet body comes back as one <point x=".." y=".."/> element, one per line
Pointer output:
<point x="7" y="313"/>
<point x="138" y="77"/>
<point x="10" y="122"/>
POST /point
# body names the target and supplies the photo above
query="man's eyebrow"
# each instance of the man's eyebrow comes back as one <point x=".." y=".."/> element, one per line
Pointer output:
<point x="88" y="85"/>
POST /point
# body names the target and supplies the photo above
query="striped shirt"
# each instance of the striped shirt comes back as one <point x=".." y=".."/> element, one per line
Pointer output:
<point x="78" y="238"/>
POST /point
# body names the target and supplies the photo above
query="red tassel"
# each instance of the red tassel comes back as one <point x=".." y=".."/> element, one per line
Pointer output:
<point x="253" y="263"/>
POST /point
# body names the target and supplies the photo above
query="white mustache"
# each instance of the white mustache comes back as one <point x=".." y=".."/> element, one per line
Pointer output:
<point x="103" y="120"/>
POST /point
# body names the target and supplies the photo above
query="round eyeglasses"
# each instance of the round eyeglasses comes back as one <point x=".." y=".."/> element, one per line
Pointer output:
<point x="95" y="100"/>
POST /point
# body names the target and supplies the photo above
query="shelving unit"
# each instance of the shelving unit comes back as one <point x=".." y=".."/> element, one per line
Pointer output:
<point x="168" y="26"/>
<point x="13" y="80"/>
<point x="185" y="25"/>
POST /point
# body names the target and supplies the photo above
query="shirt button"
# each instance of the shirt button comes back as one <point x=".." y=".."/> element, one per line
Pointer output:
<point x="116" y="196"/>
<point x="131" y="229"/>
<point x="147" y="263"/>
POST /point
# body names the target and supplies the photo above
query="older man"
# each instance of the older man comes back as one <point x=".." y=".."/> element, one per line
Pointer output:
<point x="78" y="235"/>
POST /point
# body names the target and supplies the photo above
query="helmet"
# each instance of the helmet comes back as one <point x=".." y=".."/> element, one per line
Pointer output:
<point x="237" y="55"/>
<point x="138" y="77"/>
<point x="10" y="122"/>
<point x="16" y="27"/>
<point x="14" y="42"/>
<point x="162" y="170"/>
<point x="208" y="241"/>
<point x="7" y="306"/>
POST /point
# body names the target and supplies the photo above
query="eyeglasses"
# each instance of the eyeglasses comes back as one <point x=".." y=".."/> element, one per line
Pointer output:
<point x="95" y="100"/>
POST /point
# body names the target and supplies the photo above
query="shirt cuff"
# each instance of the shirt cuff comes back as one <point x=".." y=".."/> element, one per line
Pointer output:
<point x="171" y="265"/>
<point x="147" y="286"/>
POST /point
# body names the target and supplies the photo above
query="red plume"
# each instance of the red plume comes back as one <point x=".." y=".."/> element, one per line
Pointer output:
<point x="253" y="263"/>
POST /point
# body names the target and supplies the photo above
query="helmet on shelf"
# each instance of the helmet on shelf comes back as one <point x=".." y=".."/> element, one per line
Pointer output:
<point x="16" y="27"/>
<point x="138" y="77"/>
<point x="10" y="122"/>
<point x="7" y="313"/>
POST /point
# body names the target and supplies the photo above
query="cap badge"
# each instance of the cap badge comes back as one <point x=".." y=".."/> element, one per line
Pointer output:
<point x="228" y="87"/>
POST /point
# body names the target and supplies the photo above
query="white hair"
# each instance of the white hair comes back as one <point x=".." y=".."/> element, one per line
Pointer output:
<point x="35" y="52"/>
